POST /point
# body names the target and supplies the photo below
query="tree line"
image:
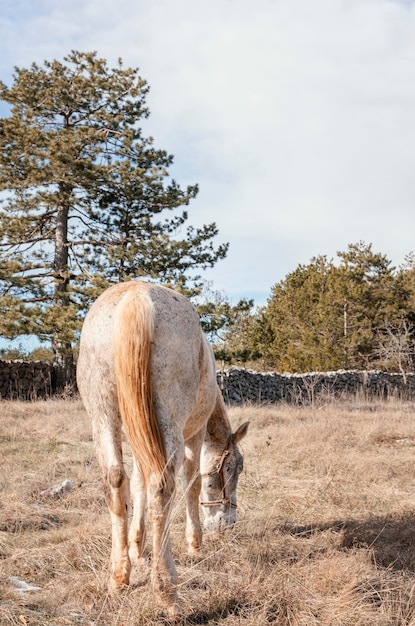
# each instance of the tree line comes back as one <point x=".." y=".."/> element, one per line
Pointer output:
<point x="86" y="200"/>
<point x="357" y="312"/>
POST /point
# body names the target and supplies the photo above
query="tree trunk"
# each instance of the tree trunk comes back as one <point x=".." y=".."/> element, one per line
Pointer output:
<point x="62" y="350"/>
<point x="345" y="333"/>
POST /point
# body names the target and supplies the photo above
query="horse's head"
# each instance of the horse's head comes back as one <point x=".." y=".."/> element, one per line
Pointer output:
<point x="218" y="493"/>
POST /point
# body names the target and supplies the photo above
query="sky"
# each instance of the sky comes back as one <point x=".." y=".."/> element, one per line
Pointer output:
<point x="295" y="117"/>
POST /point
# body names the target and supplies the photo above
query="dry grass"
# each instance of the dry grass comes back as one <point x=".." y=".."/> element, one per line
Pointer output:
<point x="325" y="536"/>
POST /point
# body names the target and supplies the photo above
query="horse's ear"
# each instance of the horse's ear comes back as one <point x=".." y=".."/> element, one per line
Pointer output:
<point x="241" y="432"/>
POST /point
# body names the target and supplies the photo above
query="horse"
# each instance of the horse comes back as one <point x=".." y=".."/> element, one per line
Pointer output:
<point x="145" y="367"/>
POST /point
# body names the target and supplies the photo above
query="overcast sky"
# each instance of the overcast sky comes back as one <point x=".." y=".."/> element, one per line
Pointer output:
<point x="296" y="117"/>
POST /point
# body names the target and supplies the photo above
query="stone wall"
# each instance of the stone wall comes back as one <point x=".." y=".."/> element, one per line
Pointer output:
<point x="245" y="386"/>
<point x="29" y="380"/>
<point x="26" y="380"/>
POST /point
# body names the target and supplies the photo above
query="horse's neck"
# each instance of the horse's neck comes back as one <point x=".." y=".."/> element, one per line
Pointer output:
<point x="217" y="431"/>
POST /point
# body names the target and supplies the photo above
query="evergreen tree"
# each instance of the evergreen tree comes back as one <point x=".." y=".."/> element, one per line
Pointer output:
<point x="227" y="326"/>
<point x="396" y="338"/>
<point x="305" y="318"/>
<point x="406" y="285"/>
<point x="84" y="194"/>
<point x="371" y="299"/>
<point x="327" y="316"/>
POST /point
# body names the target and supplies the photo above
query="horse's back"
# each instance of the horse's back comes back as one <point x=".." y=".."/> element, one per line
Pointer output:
<point x="183" y="372"/>
<point x="184" y="376"/>
<point x="175" y="320"/>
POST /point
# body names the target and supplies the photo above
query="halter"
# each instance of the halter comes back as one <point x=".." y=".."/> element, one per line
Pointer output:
<point x="219" y="470"/>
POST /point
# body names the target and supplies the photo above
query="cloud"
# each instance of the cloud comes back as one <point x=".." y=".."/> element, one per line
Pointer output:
<point x="295" y="117"/>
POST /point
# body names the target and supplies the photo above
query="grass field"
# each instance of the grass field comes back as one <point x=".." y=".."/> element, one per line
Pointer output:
<point x="325" y="533"/>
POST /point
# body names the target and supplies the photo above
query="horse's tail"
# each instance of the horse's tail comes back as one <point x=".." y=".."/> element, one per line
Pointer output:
<point x="132" y="344"/>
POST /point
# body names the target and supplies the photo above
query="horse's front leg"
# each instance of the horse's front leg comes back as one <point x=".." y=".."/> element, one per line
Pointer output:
<point x="191" y="488"/>
<point x="164" y="575"/>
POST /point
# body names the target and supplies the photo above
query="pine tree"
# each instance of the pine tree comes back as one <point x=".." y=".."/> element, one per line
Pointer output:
<point x="326" y="316"/>
<point x="227" y="326"/>
<point x="371" y="299"/>
<point x="304" y="316"/>
<point x="83" y="196"/>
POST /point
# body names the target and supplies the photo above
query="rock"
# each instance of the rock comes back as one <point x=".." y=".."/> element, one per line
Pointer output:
<point x="58" y="490"/>
<point x="22" y="586"/>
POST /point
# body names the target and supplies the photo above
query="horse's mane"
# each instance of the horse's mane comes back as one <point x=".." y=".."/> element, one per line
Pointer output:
<point x="132" y="342"/>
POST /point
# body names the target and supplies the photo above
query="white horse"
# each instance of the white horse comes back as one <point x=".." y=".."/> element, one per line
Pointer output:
<point x="145" y="364"/>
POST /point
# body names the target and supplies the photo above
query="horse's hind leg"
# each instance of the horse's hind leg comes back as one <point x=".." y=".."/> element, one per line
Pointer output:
<point x="137" y="533"/>
<point x="107" y="436"/>
<point x="164" y="575"/>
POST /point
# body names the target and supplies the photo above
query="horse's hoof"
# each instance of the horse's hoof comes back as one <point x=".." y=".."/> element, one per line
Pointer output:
<point x="116" y="586"/>
<point x="194" y="550"/>
<point x="175" y="613"/>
